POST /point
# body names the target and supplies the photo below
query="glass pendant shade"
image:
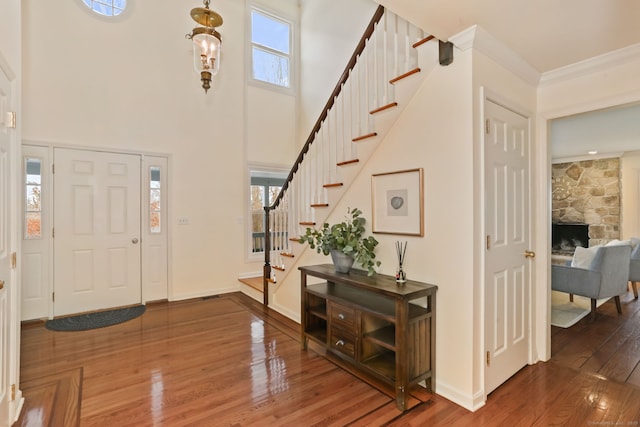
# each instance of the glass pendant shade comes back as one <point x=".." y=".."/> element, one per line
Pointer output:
<point x="206" y="43"/>
<point x="206" y="50"/>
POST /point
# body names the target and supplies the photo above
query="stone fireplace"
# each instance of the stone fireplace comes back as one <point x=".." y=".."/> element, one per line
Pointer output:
<point x="588" y="193"/>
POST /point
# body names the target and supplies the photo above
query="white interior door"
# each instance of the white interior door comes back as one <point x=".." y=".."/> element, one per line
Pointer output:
<point x="97" y="230"/>
<point x="507" y="269"/>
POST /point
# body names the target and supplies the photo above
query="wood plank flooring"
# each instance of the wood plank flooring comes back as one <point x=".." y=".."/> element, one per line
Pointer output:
<point x="228" y="361"/>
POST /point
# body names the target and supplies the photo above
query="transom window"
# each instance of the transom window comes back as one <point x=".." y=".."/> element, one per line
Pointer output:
<point x="271" y="52"/>
<point x="106" y="7"/>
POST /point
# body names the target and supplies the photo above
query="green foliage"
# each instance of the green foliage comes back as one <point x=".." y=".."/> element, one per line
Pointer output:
<point x="347" y="237"/>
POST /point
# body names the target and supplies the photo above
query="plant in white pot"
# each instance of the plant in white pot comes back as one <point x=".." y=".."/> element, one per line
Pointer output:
<point x="346" y="239"/>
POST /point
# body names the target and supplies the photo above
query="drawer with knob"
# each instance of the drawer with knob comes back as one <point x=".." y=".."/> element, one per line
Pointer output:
<point x="343" y="342"/>
<point x="342" y="316"/>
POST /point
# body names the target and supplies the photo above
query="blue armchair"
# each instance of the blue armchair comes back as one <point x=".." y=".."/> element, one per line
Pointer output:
<point x="605" y="275"/>
<point x="634" y="268"/>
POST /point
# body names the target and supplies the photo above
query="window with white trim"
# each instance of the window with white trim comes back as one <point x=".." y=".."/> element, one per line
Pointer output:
<point x="271" y="49"/>
<point x="106" y="7"/>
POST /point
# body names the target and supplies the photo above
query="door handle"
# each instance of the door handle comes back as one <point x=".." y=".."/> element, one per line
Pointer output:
<point x="1" y="284"/>
<point x="529" y="254"/>
<point x="134" y="240"/>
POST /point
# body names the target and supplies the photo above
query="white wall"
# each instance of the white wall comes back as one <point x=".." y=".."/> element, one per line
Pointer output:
<point x="331" y="30"/>
<point x="129" y="84"/>
<point x="630" y="194"/>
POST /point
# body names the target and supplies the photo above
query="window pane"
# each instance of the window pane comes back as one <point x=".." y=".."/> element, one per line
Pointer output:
<point x="32" y="199"/>
<point x="271" y="68"/>
<point x="269" y="32"/>
<point x="33" y="221"/>
<point x="273" y="193"/>
<point x="155" y="222"/>
<point x="155" y="197"/>
<point x="106" y="7"/>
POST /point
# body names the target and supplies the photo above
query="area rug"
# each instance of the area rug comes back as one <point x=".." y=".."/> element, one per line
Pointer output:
<point x="565" y="314"/>
<point x="96" y="320"/>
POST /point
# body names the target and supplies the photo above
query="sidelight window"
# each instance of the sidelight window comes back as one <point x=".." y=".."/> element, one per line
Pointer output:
<point x="155" y="197"/>
<point x="33" y="198"/>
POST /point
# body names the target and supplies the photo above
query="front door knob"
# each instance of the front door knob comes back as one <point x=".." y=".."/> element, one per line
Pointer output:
<point x="134" y="240"/>
<point x="529" y="254"/>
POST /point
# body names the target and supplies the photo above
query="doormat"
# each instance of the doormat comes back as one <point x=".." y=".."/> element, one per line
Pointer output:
<point x="96" y="320"/>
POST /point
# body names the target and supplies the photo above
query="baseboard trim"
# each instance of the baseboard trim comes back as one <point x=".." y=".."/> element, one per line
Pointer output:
<point x="469" y="402"/>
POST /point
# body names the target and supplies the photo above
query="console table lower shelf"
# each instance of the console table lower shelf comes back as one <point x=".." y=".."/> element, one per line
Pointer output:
<point x="380" y="331"/>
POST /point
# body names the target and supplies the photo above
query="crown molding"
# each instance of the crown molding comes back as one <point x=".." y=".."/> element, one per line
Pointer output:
<point x="591" y="65"/>
<point x="586" y="157"/>
<point x="481" y="40"/>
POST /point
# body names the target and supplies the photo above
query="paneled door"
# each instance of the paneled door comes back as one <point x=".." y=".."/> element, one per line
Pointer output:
<point x="508" y="259"/>
<point x="96" y="230"/>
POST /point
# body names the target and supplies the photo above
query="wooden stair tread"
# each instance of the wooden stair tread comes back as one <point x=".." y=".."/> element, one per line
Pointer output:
<point x="361" y="137"/>
<point x="384" y="107"/>
<point x="254" y="282"/>
<point x="423" y="41"/>
<point x="348" y="162"/>
<point x="405" y="75"/>
<point x="287" y="254"/>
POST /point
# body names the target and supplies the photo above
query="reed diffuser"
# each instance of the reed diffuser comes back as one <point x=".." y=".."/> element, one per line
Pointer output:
<point x="401" y="250"/>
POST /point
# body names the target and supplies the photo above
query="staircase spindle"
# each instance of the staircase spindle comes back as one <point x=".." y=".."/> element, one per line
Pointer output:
<point x="383" y="52"/>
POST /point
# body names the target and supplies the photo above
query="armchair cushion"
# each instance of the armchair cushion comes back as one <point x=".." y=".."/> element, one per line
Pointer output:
<point x="583" y="257"/>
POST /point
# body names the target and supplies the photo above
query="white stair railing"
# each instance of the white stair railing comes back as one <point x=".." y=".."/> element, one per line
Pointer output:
<point x="384" y="52"/>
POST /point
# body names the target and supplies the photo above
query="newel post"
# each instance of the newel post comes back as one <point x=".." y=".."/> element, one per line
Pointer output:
<point x="266" y="271"/>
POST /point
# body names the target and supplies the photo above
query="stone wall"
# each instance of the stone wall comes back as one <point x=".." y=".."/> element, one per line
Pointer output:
<point x="588" y="192"/>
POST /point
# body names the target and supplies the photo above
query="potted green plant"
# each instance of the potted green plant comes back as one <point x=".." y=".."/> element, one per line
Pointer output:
<point x="346" y="239"/>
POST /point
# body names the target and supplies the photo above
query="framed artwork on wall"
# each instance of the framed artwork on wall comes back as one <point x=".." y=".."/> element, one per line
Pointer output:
<point x="397" y="201"/>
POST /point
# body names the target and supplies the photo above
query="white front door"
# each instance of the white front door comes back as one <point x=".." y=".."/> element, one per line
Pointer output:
<point x="507" y="269"/>
<point x="96" y="230"/>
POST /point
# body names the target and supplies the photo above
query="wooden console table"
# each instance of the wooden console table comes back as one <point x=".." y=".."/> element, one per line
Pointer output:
<point x="379" y="330"/>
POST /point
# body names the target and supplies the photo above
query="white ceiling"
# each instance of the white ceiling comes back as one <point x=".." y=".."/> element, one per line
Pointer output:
<point x="613" y="130"/>
<point x="548" y="34"/>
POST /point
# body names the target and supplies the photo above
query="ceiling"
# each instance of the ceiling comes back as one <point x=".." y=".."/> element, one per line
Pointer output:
<point x="547" y="34"/>
<point x="609" y="131"/>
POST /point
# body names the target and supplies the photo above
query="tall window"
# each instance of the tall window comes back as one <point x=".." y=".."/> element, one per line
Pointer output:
<point x="264" y="191"/>
<point x="271" y="49"/>
<point x="33" y="200"/>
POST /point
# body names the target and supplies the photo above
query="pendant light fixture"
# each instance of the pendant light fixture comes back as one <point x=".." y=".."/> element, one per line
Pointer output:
<point x="206" y="43"/>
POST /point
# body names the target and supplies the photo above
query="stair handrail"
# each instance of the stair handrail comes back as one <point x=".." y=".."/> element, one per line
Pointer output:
<point x="368" y="32"/>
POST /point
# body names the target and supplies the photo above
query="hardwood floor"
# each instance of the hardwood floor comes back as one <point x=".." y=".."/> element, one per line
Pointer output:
<point x="228" y="361"/>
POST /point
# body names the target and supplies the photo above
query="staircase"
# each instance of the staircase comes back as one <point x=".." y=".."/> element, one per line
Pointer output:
<point x="391" y="60"/>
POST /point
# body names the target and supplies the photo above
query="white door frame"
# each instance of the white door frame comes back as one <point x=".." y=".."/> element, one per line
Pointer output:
<point x="146" y="295"/>
<point x="12" y="380"/>
<point x="542" y="327"/>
